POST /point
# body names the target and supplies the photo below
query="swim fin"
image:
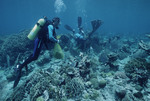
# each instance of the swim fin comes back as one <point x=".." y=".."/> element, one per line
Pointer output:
<point x="79" y="22"/>
<point x="95" y="25"/>
<point x="69" y="28"/>
<point x="18" y="76"/>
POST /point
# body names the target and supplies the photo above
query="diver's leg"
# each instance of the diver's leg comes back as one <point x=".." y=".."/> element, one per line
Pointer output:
<point x="36" y="52"/>
<point x="34" y="56"/>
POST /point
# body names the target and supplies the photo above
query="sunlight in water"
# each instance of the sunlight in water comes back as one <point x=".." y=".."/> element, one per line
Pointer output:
<point x="59" y="6"/>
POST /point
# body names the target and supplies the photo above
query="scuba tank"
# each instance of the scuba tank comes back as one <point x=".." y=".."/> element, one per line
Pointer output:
<point x="38" y="26"/>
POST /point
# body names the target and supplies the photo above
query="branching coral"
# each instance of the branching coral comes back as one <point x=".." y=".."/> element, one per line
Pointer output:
<point x="137" y="70"/>
<point x="74" y="87"/>
<point x="84" y="65"/>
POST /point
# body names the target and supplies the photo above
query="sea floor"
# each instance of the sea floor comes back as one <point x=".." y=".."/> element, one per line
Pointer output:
<point x="117" y="70"/>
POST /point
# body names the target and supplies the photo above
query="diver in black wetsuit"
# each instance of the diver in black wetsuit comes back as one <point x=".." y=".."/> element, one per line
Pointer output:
<point x="46" y="34"/>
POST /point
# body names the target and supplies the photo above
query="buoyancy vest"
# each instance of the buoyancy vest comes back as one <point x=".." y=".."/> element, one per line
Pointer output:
<point x="44" y="33"/>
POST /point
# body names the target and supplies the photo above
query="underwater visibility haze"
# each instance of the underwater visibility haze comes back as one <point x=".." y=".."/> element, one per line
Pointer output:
<point x="85" y="50"/>
<point x="117" y="15"/>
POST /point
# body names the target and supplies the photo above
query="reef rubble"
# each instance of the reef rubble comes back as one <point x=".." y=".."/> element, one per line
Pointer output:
<point x="112" y="68"/>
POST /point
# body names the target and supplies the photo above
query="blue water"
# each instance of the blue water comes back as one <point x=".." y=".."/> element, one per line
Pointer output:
<point x="117" y="15"/>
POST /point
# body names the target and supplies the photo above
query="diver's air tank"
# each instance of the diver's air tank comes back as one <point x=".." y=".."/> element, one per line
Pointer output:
<point x="34" y="32"/>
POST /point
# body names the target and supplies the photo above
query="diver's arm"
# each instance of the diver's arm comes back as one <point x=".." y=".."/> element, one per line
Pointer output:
<point x="50" y="31"/>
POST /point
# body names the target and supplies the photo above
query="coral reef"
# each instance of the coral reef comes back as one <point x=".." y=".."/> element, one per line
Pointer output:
<point x="137" y="70"/>
<point x="67" y="83"/>
<point x="145" y="46"/>
<point x="74" y="88"/>
<point x="107" y="68"/>
<point x="13" y="46"/>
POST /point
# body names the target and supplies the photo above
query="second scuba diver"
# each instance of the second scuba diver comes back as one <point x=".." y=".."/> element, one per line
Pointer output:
<point x="81" y="37"/>
<point x="81" y="34"/>
<point x="45" y="35"/>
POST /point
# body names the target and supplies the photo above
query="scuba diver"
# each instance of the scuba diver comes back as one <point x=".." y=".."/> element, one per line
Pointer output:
<point x="45" y="30"/>
<point x="81" y="34"/>
<point x="81" y="37"/>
